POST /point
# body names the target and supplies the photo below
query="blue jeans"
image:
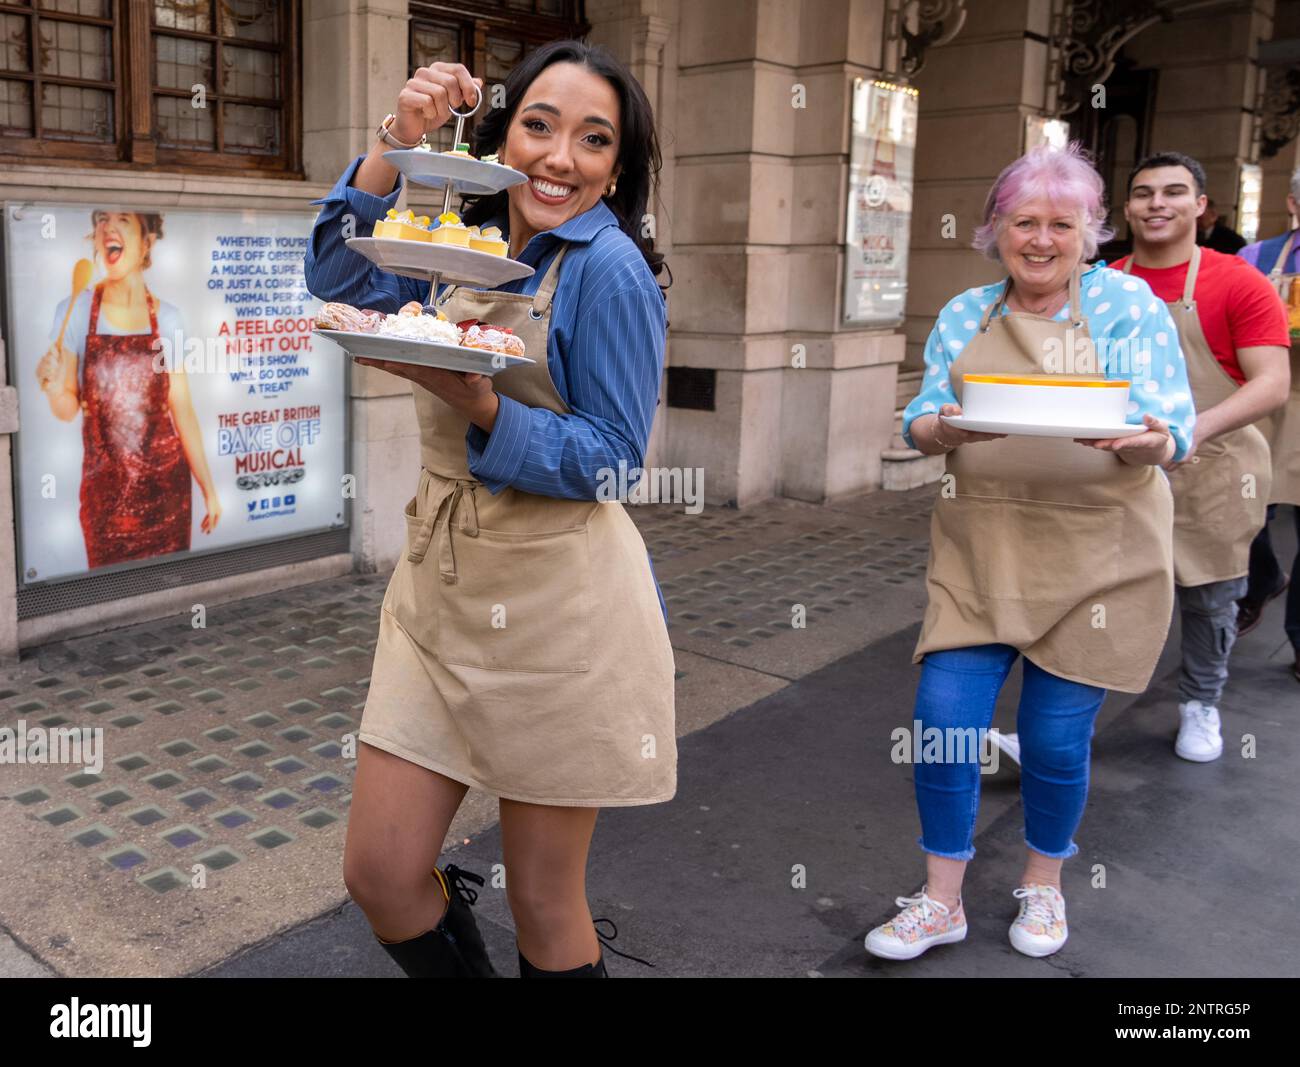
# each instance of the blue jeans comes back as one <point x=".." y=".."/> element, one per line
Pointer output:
<point x="958" y="691"/>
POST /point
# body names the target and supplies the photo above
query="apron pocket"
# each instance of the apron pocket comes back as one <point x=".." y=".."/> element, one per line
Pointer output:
<point x="1203" y="498"/>
<point x="411" y="590"/>
<point x="1005" y="548"/>
<point x="520" y="602"/>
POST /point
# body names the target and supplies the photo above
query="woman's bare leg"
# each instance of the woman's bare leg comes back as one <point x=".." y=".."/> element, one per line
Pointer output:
<point x="397" y="824"/>
<point x="545" y="850"/>
<point x="943" y="879"/>
<point x="1041" y="870"/>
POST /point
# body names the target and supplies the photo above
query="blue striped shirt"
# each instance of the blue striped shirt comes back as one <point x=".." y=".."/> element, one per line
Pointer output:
<point x="605" y="350"/>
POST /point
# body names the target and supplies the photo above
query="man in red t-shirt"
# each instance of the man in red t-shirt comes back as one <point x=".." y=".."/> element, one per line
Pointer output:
<point x="1242" y="328"/>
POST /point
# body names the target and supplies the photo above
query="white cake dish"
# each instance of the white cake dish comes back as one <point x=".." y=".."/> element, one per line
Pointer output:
<point x="1033" y="429"/>
<point x="422" y="353"/>
<point x="453" y="263"/>
<point x="1045" y="399"/>
<point x="468" y="175"/>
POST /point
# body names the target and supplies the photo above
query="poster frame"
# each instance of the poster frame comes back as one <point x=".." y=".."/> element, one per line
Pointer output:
<point x="875" y="84"/>
<point x="8" y="332"/>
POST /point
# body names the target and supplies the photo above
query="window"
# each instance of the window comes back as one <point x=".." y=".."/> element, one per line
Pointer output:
<point x="225" y="56"/>
<point x="59" y="91"/>
<point x="192" y="84"/>
<point x="489" y="38"/>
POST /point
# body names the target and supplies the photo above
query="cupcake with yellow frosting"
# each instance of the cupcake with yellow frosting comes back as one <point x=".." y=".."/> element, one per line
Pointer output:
<point x="406" y="226"/>
<point x="450" y="231"/>
<point x="488" y="240"/>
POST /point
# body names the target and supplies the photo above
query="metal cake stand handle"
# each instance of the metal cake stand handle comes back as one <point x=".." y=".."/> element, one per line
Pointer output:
<point x="461" y="116"/>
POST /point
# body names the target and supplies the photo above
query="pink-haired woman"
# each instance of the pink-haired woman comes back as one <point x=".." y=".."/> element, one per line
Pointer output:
<point x="1054" y="549"/>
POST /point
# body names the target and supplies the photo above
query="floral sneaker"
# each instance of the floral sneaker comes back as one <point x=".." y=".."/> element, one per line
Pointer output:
<point x="1039" y="929"/>
<point x="922" y="922"/>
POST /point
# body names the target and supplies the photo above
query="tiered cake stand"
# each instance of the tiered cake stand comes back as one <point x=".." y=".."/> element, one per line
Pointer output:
<point x="438" y="263"/>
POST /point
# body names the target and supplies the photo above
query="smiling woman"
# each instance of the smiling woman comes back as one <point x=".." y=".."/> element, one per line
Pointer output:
<point x="1047" y="548"/>
<point x="607" y="152"/>
<point x="523" y="649"/>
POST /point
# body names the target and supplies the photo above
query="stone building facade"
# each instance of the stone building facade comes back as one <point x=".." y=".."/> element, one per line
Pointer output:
<point x="750" y="208"/>
<point x="1130" y="79"/>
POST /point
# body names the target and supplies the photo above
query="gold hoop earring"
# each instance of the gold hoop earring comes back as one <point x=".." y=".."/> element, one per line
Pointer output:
<point x="610" y="189"/>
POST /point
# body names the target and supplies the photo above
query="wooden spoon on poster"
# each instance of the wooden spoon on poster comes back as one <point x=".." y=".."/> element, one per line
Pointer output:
<point x="48" y="372"/>
<point x="83" y="270"/>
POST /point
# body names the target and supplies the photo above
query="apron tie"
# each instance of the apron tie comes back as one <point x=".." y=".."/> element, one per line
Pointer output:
<point x="468" y="519"/>
<point x="468" y="525"/>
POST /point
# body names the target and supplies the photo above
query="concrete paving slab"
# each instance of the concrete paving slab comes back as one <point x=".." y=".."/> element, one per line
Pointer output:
<point x="17" y="962"/>
<point x="798" y="775"/>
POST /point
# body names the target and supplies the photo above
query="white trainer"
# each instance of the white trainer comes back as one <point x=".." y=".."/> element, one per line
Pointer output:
<point x="1008" y="743"/>
<point x="922" y="922"/>
<point x="1198" y="736"/>
<point x="1039" y="929"/>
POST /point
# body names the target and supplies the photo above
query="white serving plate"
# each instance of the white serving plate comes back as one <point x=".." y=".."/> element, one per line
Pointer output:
<point x="422" y="353"/>
<point x="453" y="263"/>
<point x="471" y="176"/>
<point x="1038" y="429"/>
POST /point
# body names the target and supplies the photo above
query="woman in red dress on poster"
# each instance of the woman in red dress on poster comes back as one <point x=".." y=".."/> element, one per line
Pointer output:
<point x="141" y="440"/>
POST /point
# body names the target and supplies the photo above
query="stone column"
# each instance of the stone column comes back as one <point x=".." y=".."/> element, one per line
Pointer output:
<point x="354" y="65"/>
<point x="1276" y="170"/>
<point x="640" y="34"/>
<point x="354" y="57"/>
<point x="1205" y="95"/>
<point x="758" y="254"/>
<point x="976" y="94"/>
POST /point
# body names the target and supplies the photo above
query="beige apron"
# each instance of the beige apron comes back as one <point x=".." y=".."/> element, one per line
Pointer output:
<point x="1056" y="549"/>
<point x="522" y="649"/>
<point x="1221" y="496"/>
<point x="1281" y="428"/>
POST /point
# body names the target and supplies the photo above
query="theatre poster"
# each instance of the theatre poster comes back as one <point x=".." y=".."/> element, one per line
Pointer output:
<point x="172" y="398"/>
<point x="878" y="213"/>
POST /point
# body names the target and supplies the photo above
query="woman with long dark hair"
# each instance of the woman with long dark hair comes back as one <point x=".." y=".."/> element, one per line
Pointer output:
<point x="523" y="649"/>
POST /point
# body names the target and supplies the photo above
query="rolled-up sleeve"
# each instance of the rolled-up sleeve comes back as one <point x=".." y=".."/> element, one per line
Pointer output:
<point x="335" y="272"/>
<point x="936" y="389"/>
<point x="614" y="365"/>
<point x="1138" y="341"/>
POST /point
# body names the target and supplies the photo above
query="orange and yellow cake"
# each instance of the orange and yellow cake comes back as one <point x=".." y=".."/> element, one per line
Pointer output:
<point x="406" y="226"/>
<point x="450" y="231"/>
<point x="1045" y="399"/>
<point x="487" y="240"/>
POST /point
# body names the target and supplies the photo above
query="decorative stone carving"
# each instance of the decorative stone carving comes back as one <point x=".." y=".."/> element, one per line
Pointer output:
<point x="1279" y="109"/>
<point x="1086" y="36"/>
<point x="913" y="26"/>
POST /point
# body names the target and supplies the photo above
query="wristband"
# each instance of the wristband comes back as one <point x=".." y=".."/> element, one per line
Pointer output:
<point x="938" y="421"/>
<point x="383" y="134"/>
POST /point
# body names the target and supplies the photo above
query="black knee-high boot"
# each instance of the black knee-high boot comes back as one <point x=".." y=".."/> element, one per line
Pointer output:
<point x="452" y="949"/>
<point x="587" y="970"/>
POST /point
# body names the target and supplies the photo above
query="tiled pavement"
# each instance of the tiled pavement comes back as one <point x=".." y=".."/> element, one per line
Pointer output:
<point x="218" y="818"/>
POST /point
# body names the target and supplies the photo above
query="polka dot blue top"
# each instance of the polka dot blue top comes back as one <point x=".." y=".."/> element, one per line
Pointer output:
<point x="1131" y="329"/>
